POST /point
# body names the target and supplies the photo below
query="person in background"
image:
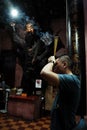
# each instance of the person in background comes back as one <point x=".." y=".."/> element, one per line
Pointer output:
<point x="19" y="42"/>
<point x="28" y="80"/>
<point x="58" y="73"/>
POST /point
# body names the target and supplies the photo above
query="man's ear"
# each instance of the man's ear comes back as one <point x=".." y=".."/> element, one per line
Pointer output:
<point x="65" y="64"/>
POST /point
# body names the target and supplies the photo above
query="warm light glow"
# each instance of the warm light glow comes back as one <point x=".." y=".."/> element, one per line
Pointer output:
<point x="29" y="27"/>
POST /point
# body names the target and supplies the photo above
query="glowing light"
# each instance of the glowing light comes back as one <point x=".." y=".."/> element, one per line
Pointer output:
<point x="14" y="13"/>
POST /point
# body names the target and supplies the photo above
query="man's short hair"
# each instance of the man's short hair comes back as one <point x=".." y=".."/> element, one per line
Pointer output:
<point x="66" y="58"/>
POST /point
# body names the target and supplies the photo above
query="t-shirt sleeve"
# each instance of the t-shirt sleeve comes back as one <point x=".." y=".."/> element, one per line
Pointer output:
<point x="68" y="82"/>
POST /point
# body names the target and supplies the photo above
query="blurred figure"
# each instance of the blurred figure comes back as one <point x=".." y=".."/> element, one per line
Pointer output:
<point x="19" y="42"/>
<point x="31" y="38"/>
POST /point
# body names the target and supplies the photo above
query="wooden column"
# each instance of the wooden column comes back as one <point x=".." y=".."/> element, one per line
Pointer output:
<point x="85" y="24"/>
<point x="76" y="44"/>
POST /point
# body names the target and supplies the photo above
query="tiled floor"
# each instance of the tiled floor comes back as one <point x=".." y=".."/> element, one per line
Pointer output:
<point x="12" y="123"/>
<point x="8" y="122"/>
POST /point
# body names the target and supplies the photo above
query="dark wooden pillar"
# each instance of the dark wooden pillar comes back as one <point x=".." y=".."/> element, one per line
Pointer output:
<point x="76" y="44"/>
<point x="85" y="24"/>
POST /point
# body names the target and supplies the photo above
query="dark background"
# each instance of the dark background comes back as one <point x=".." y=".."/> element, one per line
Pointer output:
<point x="42" y="11"/>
